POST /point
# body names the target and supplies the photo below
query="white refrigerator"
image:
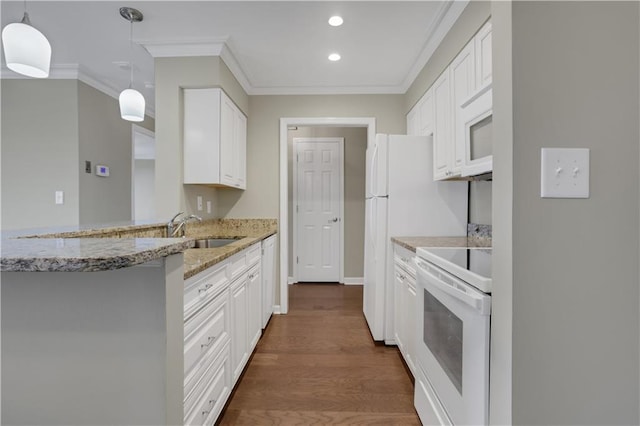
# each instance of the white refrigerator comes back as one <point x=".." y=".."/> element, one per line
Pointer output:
<point x="402" y="200"/>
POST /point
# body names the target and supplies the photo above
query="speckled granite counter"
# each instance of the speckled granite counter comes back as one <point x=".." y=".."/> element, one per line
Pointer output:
<point x="412" y="243"/>
<point x="115" y="247"/>
<point x="252" y="231"/>
<point x="85" y="254"/>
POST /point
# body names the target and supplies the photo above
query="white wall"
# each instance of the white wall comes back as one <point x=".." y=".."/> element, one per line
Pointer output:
<point x="575" y="276"/>
<point x="39" y="153"/>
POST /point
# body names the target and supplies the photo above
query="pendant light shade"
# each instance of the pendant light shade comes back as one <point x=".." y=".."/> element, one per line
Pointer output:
<point x="26" y="50"/>
<point x="132" y="105"/>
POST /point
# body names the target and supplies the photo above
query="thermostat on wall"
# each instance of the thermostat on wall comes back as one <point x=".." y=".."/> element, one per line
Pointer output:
<point x="102" y="170"/>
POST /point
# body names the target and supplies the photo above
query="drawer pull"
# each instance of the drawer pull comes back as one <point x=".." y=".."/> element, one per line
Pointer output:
<point x="402" y="277"/>
<point x="205" y="288"/>
<point x="210" y="340"/>
<point x="208" y="410"/>
<point x="251" y="276"/>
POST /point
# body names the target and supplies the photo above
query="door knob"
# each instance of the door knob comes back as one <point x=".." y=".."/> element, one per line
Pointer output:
<point x="334" y="220"/>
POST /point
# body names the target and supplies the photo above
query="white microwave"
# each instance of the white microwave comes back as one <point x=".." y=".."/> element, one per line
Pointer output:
<point x="477" y="116"/>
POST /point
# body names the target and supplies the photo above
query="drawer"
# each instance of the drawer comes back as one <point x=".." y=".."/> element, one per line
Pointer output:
<point x="254" y="254"/>
<point x="202" y="287"/>
<point x="237" y="264"/>
<point x="404" y="258"/>
<point x="206" y="330"/>
<point x="209" y="396"/>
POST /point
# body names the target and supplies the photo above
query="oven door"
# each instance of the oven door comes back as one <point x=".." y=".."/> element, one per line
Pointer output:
<point x="452" y="343"/>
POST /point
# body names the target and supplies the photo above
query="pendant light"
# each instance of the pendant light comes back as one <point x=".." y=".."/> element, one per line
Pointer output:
<point x="26" y="50"/>
<point x="132" y="103"/>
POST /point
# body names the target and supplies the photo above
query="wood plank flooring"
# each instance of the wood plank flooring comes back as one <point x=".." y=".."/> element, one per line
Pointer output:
<point x="319" y="365"/>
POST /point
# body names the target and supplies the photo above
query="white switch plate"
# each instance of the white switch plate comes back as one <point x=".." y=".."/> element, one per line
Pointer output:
<point x="59" y="197"/>
<point x="564" y="173"/>
<point x="208" y="206"/>
<point x="199" y="203"/>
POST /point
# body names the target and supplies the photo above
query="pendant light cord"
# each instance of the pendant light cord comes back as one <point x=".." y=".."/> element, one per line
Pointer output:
<point x="130" y="50"/>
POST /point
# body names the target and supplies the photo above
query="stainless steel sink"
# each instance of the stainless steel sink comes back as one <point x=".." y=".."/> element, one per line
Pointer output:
<point x="214" y="242"/>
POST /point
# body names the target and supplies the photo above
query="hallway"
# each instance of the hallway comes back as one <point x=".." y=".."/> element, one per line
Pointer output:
<point x="319" y="365"/>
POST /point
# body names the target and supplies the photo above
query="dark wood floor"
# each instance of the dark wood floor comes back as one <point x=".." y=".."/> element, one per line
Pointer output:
<point x="319" y="365"/>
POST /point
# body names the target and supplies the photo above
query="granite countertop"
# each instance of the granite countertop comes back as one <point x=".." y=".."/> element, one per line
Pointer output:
<point x="114" y="247"/>
<point x="84" y="254"/>
<point x="412" y="243"/>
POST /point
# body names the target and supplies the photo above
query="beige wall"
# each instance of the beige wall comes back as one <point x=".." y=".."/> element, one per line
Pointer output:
<point x="39" y="153"/>
<point x="172" y="75"/>
<point x="104" y="138"/>
<point x="355" y="146"/>
<point x="575" y="274"/>
<point x="263" y="172"/>
<point x="49" y="130"/>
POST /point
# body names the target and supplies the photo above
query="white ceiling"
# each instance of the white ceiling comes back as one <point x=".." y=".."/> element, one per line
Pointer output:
<point x="272" y="47"/>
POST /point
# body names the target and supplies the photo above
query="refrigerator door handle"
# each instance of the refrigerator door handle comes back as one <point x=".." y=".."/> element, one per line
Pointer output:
<point x="372" y="237"/>
<point x="374" y="159"/>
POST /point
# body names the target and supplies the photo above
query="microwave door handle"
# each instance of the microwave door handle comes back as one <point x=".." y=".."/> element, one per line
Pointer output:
<point x="480" y="303"/>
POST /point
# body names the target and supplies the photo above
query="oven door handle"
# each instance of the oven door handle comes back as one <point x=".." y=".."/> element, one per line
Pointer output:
<point x="479" y="302"/>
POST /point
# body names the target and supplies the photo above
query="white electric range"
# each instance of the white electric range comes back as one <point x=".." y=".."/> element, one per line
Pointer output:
<point x="452" y="351"/>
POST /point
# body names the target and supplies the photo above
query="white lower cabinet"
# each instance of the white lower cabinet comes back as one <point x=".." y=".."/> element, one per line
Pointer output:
<point x="405" y="304"/>
<point x="240" y="332"/>
<point x="223" y="324"/>
<point x="268" y="278"/>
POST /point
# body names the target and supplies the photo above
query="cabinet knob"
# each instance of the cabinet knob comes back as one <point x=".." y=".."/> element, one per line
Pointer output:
<point x="205" y="288"/>
<point x="209" y="407"/>
<point x="210" y="340"/>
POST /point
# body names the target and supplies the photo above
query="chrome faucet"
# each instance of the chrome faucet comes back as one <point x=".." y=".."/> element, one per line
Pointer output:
<point x="173" y="230"/>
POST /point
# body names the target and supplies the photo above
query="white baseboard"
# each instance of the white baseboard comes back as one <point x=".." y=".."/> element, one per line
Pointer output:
<point x="277" y="310"/>
<point x="290" y="280"/>
<point x="353" y="280"/>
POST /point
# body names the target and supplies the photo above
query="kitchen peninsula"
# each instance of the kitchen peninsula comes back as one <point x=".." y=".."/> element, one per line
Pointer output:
<point x="94" y="327"/>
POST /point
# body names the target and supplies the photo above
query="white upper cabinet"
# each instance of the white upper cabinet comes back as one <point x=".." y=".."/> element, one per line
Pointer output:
<point x="463" y="84"/>
<point x="441" y="112"/>
<point x="413" y="125"/>
<point x="442" y="141"/>
<point x="426" y="114"/>
<point x="482" y="42"/>
<point x="215" y="139"/>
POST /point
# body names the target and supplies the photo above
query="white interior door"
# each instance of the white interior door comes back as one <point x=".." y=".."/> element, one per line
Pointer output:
<point x="318" y="209"/>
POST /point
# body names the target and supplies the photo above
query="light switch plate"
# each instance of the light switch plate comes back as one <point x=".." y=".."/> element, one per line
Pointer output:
<point x="208" y="206"/>
<point x="564" y="173"/>
<point x="199" y="202"/>
<point x="59" y="197"/>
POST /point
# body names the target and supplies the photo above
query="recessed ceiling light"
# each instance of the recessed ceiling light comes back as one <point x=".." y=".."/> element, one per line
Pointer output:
<point x="335" y="21"/>
<point x="334" y="57"/>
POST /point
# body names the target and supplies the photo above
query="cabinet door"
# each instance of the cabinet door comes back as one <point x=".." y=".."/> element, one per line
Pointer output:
<point x="412" y="122"/>
<point x="483" y="56"/>
<point x="228" y="155"/>
<point x="426" y="114"/>
<point x="398" y="311"/>
<point x="463" y="84"/>
<point x="411" y="317"/>
<point x="442" y="152"/>
<point x="201" y="150"/>
<point x="239" y="326"/>
<point x="268" y="278"/>
<point x="241" y="150"/>
<point x="254" y="290"/>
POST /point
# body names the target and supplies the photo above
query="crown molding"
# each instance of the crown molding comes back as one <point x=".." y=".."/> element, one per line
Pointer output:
<point x="447" y="15"/>
<point x="74" y="72"/>
<point x="333" y="90"/>
<point x="181" y="48"/>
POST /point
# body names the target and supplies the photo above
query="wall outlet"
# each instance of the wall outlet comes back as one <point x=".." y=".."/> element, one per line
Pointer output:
<point x="199" y="203"/>
<point x="59" y="197"/>
<point x="564" y="173"/>
<point x="208" y="206"/>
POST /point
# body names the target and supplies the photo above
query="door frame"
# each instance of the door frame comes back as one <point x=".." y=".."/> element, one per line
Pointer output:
<point x="340" y="141"/>
<point x="136" y="129"/>
<point x="283" y="222"/>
